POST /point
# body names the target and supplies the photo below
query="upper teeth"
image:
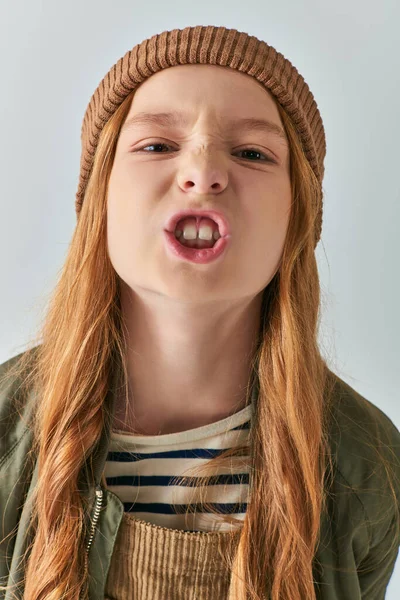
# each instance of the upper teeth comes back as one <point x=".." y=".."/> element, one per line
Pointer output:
<point x="190" y="232"/>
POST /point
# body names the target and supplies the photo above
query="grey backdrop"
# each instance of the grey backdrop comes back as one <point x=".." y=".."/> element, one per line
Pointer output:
<point x="53" y="55"/>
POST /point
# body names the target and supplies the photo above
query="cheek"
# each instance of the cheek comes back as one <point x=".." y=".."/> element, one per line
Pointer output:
<point x="279" y="208"/>
<point x="116" y="218"/>
<point x="122" y="209"/>
<point x="123" y="234"/>
<point x="132" y="244"/>
<point x="267" y="233"/>
<point x="270" y="217"/>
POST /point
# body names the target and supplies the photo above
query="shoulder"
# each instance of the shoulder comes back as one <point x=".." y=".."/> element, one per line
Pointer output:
<point x="366" y="448"/>
<point x="15" y="400"/>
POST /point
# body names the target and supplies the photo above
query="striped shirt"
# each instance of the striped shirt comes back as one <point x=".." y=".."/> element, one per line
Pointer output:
<point x="140" y="470"/>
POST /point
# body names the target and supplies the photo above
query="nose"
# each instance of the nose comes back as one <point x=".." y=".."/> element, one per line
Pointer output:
<point x="204" y="177"/>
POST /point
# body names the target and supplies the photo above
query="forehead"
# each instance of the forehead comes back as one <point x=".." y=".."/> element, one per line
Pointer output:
<point x="200" y="72"/>
<point x="205" y="83"/>
<point x="182" y="95"/>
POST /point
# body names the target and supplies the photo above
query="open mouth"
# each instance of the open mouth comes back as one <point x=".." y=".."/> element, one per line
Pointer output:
<point x="197" y="232"/>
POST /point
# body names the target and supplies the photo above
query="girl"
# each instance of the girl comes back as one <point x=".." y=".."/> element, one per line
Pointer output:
<point x="174" y="432"/>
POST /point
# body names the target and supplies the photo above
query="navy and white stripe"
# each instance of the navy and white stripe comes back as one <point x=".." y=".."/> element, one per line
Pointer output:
<point x="140" y="470"/>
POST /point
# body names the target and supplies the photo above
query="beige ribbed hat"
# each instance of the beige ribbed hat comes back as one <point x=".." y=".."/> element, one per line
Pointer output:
<point x="206" y="45"/>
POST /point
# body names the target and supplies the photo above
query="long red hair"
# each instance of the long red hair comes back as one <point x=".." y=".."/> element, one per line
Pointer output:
<point x="69" y="365"/>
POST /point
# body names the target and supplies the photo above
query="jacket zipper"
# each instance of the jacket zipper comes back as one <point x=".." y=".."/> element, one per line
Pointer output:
<point x="99" y="499"/>
<point x="96" y="514"/>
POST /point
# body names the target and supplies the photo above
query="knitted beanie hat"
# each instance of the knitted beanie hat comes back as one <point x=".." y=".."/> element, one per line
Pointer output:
<point x="215" y="46"/>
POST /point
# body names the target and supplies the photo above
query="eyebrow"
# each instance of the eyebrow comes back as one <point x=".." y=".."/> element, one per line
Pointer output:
<point x="168" y="119"/>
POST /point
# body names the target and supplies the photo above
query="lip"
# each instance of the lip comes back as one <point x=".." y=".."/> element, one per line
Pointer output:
<point x="219" y="218"/>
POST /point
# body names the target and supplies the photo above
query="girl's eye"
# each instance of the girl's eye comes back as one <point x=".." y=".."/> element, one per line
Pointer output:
<point x="250" y="150"/>
<point x="255" y="151"/>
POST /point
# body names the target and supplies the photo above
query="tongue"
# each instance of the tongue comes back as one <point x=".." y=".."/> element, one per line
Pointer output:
<point x="197" y="243"/>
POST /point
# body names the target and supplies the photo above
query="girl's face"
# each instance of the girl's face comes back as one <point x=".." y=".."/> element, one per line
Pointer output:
<point x="209" y="161"/>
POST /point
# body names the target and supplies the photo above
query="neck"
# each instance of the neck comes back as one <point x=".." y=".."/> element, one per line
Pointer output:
<point x="186" y="369"/>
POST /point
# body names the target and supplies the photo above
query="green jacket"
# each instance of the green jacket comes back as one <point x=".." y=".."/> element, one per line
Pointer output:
<point x="353" y="560"/>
